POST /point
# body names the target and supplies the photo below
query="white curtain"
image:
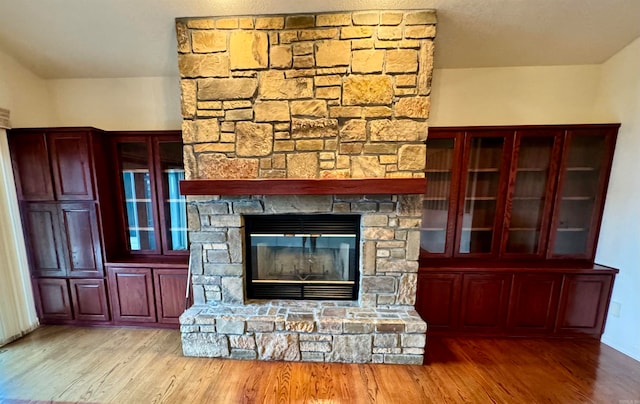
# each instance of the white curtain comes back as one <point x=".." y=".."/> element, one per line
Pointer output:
<point x="17" y="311"/>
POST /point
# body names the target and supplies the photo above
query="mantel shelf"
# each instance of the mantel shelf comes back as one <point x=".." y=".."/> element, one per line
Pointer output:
<point x="266" y="186"/>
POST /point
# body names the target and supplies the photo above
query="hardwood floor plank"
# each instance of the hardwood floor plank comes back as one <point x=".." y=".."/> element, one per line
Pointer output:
<point x="128" y="365"/>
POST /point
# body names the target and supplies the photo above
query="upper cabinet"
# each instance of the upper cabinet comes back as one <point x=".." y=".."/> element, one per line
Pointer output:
<point x="52" y="164"/>
<point x="584" y="176"/>
<point x="153" y="213"/>
<point x="515" y="193"/>
<point x="59" y="173"/>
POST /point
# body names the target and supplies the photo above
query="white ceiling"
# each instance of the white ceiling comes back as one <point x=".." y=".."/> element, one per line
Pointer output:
<point x="134" y="38"/>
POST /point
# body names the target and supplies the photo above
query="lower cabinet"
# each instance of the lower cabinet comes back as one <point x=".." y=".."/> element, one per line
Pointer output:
<point x="131" y="292"/>
<point x="438" y="299"/>
<point x="483" y="305"/>
<point x="170" y="286"/>
<point x="533" y="303"/>
<point x="147" y="295"/>
<point x="584" y="305"/>
<point x="89" y="299"/>
<point x="64" y="300"/>
<point x="515" y="303"/>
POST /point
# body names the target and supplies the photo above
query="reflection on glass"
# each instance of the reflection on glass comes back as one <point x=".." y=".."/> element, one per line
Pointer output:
<point x="174" y="204"/>
<point x="528" y="198"/>
<point x="302" y="257"/>
<point x="436" y="200"/>
<point x="136" y="183"/>
<point x="483" y="178"/>
<point x="579" y="187"/>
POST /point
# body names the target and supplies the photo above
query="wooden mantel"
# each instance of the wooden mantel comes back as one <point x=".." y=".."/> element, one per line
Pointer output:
<point x="352" y="186"/>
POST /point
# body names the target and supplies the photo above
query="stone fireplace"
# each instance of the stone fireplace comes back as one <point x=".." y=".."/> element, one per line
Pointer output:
<point x="296" y="102"/>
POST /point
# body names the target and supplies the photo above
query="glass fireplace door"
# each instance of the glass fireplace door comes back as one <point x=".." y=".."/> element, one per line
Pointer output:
<point x="302" y="256"/>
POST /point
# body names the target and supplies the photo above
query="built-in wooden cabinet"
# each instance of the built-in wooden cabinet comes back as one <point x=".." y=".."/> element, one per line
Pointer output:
<point x="89" y="199"/>
<point x="52" y="298"/>
<point x="170" y="286"/>
<point x="89" y="299"/>
<point x="63" y="238"/>
<point x="533" y="303"/>
<point x="483" y="301"/>
<point x="517" y="198"/>
<point x="132" y="295"/>
<point x="152" y="210"/>
<point x="147" y="294"/>
<point x="515" y="301"/>
<point x="59" y="174"/>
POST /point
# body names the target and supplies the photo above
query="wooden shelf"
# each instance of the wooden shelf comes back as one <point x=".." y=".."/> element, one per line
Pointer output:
<point x="484" y="170"/>
<point x="355" y="186"/>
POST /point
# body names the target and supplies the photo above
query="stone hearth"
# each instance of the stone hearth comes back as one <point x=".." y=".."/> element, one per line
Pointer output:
<point x="340" y="95"/>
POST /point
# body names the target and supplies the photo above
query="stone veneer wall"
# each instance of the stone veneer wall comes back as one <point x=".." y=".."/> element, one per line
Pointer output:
<point x="340" y="95"/>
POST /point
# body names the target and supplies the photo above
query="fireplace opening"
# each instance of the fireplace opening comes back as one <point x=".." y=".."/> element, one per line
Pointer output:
<point x="311" y="257"/>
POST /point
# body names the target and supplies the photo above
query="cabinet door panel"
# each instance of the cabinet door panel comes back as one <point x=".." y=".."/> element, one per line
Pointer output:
<point x="131" y="292"/>
<point x="31" y="166"/>
<point x="439" y="208"/>
<point x="583" y="305"/>
<point x="484" y="302"/>
<point x="45" y="241"/>
<point x="482" y="189"/>
<point x="83" y="238"/>
<point x="531" y="184"/>
<point x="89" y="298"/>
<point x="533" y="303"/>
<point x="170" y="287"/>
<point x="71" y="165"/>
<point x="586" y="163"/>
<point x="53" y="299"/>
<point x="438" y="300"/>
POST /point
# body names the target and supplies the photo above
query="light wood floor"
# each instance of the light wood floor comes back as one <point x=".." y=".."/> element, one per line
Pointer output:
<point x="119" y="365"/>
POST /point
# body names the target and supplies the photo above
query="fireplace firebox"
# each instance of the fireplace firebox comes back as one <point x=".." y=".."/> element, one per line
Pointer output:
<point x="294" y="256"/>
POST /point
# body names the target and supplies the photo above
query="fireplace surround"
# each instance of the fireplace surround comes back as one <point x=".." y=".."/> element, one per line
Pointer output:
<point x="287" y="102"/>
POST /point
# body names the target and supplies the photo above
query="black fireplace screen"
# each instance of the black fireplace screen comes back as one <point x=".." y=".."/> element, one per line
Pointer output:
<point x="302" y="256"/>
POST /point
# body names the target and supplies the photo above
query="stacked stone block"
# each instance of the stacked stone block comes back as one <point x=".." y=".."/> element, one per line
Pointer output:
<point x="304" y="331"/>
<point x="339" y="95"/>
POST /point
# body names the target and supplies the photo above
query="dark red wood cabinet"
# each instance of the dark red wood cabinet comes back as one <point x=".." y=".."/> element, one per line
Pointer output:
<point x="170" y="286"/>
<point x="52" y="298"/>
<point x="515" y="301"/>
<point x="584" y="304"/>
<point x="533" y="303"/>
<point x="142" y="295"/>
<point x="510" y="224"/>
<point x="483" y="301"/>
<point x="89" y="298"/>
<point x="56" y="171"/>
<point x="132" y="295"/>
<point x="68" y="183"/>
<point x="438" y="299"/>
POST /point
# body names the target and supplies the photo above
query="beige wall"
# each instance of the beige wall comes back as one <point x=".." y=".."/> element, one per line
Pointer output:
<point x="619" y="244"/>
<point x="516" y="96"/>
<point x="486" y="96"/>
<point x="139" y="103"/>
<point x="24" y="94"/>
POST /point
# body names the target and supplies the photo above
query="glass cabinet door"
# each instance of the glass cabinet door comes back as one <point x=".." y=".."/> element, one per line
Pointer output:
<point x="174" y="204"/>
<point x="137" y="187"/>
<point x="584" y="174"/>
<point x="532" y="178"/>
<point x="482" y="187"/>
<point x="438" y="219"/>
